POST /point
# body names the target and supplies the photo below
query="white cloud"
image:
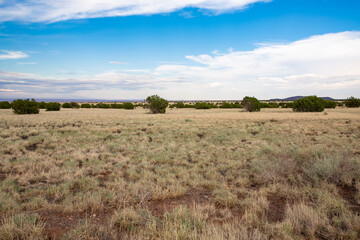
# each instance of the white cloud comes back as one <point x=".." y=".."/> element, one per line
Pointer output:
<point x="7" y="90"/>
<point x="314" y="64"/>
<point x="117" y="62"/>
<point x="52" y="11"/>
<point x="26" y="63"/>
<point x="4" y="54"/>
<point x="326" y="65"/>
<point x="214" y="85"/>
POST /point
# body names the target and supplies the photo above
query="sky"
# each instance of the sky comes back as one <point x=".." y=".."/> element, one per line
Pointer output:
<point x="179" y="49"/>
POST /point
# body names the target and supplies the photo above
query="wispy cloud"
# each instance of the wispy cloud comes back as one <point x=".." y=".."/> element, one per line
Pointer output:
<point x="325" y="65"/>
<point x="7" y="90"/>
<point x="5" y="54"/>
<point x="26" y="63"/>
<point x="52" y="11"/>
<point x="117" y="62"/>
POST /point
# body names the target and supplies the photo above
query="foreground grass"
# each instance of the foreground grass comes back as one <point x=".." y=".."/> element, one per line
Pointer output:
<point x="188" y="174"/>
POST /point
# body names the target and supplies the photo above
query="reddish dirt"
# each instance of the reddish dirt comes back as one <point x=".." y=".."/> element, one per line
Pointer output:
<point x="348" y="193"/>
<point x="277" y="205"/>
<point x="2" y="175"/>
<point x="189" y="199"/>
<point x="57" y="223"/>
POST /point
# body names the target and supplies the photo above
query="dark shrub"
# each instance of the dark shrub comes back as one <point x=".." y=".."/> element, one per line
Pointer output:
<point x="251" y="104"/>
<point x="286" y="105"/>
<point x="157" y="104"/>
<point x="27" y="106"/>
<point x="53" y="106"/>
<point x="128" y="105"/>
<point x="142" y="105"/>
<point x="309" y="104"/>
<point x="117" y="105"/>
<point x="179" y="105"/>
<point x="269" y="105"/>
<point x="352" y="102"/>
<point x="182" y="105"/>
<point x="42" y="105"/>
<point x="340" y="104"/>
<point x="230" y="105"/>
<point x="330" y="104"/>
<point x="202" y="105"/>
<point x="70" y="105"/>
<point x="85" y="105"/>
<point x="5" y="105"/>
<point x="103" y="105"/>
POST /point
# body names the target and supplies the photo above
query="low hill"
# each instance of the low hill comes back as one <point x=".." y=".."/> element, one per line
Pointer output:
<point x="296" y="98"/>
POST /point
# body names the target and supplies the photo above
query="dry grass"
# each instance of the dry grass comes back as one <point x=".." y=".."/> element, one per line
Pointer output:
<point x="188" y="174"/>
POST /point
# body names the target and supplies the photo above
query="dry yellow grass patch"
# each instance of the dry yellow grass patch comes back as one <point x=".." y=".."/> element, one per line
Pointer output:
<point x="186" y="174"/>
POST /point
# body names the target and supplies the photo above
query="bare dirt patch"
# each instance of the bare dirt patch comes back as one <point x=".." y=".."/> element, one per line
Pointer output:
<point x="189" y="199"/>
<point x="348" y="193"/>
<point x="57" y="223"/>
<point x="32" y="147"/>
<point x="2" y="176"/>
<point x="277" y="205"/>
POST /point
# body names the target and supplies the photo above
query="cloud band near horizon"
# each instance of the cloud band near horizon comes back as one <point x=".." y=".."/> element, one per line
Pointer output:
<point x="320" y="64"/>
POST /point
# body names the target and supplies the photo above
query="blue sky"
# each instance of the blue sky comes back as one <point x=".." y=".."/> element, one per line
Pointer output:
<point x="189" y="49"/>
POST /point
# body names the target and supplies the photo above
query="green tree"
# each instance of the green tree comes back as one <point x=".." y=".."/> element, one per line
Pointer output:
<point x="5" y="105"/>
<point x="330" y="104"/>
<point x="70" y="105"/>
<point x="128" y="105"/>
<point x="42" y="105"/>
<point x="352" y="102"/>
<point x="157" y="104"/>
<point x="85" y="105"/>
<point x="52" y="106"/>
<point x="309" y="104"/>
<point x="251" y="104"/>
<point x="25" y="106"/>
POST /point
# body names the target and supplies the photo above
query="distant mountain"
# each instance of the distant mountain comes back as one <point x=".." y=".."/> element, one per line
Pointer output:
<point x="296" y="98"/>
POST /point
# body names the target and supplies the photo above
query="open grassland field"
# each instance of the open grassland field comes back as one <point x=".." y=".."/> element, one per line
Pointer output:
<point x="186" y="174"/>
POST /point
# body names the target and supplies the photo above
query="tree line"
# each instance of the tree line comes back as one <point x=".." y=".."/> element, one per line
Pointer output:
<point x="156" y="104"/>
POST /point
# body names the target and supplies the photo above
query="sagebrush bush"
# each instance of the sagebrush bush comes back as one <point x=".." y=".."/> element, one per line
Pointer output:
<point x="5" y="105"/>
<point x="53" y="106"/>
<point x="128" y="105"/>
<point x="204" y="105"/>
<point x="42" y="105"/>
<point x="103" y="105"/>
<point x="330" y="104"/>
<point x="230" y="105"/>
<point x="309" y="104"/>
<point x="352" y="102"/>
<point x="71" y="105"/>
<point x="157" y="104"/>
<point x="286" y="105"/>
<point x="85" y="105"/>
<point x="251" y="104"/>
<point x="25" y="106"/>
<point x="269" y="105"/>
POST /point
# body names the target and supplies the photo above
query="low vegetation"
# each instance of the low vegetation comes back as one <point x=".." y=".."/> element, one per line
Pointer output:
<point x="157" y="104"/>
<point x="70" y="105"/>
<point x="251" y="104"/>
<point x="25" y="106"/>
<point x="219" y="174"/>
<point x="5" y="105"/>
<point x="352" y="102"/>
<point x="309" y="104"/>
<point x="52" y="106"/>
